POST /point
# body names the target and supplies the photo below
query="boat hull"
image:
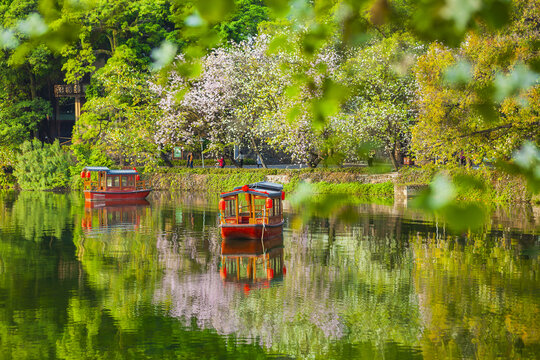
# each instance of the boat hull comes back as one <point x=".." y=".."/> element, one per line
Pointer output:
<point x="251" y="231"/>
<point x="91" y="195"/>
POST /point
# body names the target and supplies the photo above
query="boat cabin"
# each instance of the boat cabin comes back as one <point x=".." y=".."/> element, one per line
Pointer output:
<point x="106" y="179"/>
<point x="102" y="183"/>
<point x="258" y="203"/>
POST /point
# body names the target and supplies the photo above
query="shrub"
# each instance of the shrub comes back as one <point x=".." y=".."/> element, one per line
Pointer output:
<point x="42" y="166"/>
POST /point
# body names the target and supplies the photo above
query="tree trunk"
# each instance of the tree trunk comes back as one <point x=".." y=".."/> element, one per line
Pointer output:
<point x="33" y="90"/>
<point x="231" y="158"/>
<point x="393" y="157"/>
<point x="165" y="158"/>
<point x="258" y="153"/>
<point x="314" y="161"/>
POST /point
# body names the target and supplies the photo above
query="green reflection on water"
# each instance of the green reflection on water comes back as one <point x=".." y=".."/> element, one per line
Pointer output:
<point x="143" y="281"/>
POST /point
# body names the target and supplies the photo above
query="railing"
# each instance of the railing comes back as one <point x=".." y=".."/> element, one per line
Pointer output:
<point x="91" y="185"/>
<point x="260" y="215"/>
<point x="94" y="185"/>
<point x="142" y="184"/>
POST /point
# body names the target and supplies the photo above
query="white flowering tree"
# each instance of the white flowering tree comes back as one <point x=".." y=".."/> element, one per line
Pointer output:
<point x="380" y="110"/>
<point x="246" y="94"/>
<point x="237" y="86"/>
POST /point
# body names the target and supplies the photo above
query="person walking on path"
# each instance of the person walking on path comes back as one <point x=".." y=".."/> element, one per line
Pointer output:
<point x="241" y="159"/>
<point x="259" y="161"/>
<point x="190" y="160"/>
<point x="221" y="162"/>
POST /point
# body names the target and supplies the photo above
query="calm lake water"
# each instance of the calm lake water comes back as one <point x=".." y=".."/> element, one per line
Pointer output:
<point x="155" y="281"/>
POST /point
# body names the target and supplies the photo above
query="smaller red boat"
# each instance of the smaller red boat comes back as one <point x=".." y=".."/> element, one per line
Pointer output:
<point x="113" y="185"/>
<point x="252" y="211"/>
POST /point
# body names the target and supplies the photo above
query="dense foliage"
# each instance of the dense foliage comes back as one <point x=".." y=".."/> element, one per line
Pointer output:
<point x="42" y="166"/>
<point x="325" y="81"/>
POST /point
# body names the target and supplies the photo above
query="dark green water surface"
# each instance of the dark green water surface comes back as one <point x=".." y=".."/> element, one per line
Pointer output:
<point x="149" y="281"/>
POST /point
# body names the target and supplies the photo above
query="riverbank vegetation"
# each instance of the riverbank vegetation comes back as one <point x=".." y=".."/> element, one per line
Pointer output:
<point x="323" y="83"/>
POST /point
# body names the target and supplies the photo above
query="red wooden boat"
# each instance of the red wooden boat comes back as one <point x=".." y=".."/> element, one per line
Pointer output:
<point x="252" y="211"/>
<point x="113" y="185"/>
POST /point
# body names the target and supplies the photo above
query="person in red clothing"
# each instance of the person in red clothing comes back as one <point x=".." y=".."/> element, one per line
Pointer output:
<point x="221" y="162"/>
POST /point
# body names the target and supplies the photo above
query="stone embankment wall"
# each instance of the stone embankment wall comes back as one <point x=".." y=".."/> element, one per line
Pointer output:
<point x="338" y="177"/>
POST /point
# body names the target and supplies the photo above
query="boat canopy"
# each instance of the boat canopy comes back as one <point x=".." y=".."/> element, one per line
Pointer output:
<point x="109" y="171"/>
<point x="263" y="188"/>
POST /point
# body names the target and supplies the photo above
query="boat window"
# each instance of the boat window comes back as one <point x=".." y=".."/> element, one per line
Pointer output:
<point x="124" y="181"/>
<point x="130" y="180"/>
<point x="230" y="207"/>
<point x="115" y="181"/>
<point x="260" y="207"/>
<point x="244" y="204"/>
<point x="109" y="181"/>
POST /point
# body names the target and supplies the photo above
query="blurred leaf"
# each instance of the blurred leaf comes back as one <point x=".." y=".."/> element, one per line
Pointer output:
<point x="497" y="13"/>
<point x="460" y="11"/>
<point x="314" y="39"/>
<point x="292" y="91"/>
<point x="280" y="43"/>
<point x="461" y="217"/>
<point x="459" y="74"/>
<point x="195" y="20"/>
<point x="32" y="26"/>
<point x="294" y="113"/>
<point x="307" y="204"/>
<point x="163" y="55"/>
<point x="280" y="8"/>
<point x="526" y="163"/>
<point x="520" y="78"/>
<point x="8" y="39"/>
<point x="49" y="9"/>
<point x="528" y="156"/>
<point x="487" y="111"/>
<point x="441" y="192"/>
<point x="469" y="181"/>
<point x="215" y="11"/>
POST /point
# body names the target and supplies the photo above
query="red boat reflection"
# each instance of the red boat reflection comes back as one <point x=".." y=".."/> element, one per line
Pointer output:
<point x="112" y="214"/>
<point x="252" y="264"/>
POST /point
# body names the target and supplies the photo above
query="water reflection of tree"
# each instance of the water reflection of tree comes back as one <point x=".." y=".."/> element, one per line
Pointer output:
<point x="38" y="271"/>
<point x="382" y="285"/>
<point x="333" y="292"/>
<point x="478" y="295"/>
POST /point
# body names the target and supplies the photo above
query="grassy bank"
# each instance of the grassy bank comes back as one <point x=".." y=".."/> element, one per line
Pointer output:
<point x="484" y="184"/>
<point x="346" y="181"/>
